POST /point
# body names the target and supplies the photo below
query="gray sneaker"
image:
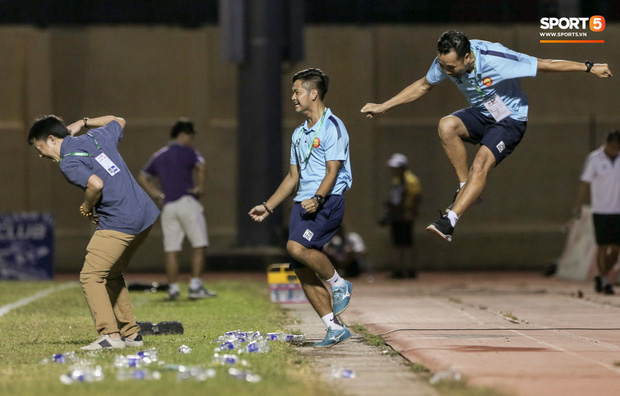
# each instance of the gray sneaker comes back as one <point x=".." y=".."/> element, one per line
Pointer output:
<point x="173" y="295"/>
<point x="104" y="342"/>
<point x="138" y="341"/>
<point x="201" y="292"/>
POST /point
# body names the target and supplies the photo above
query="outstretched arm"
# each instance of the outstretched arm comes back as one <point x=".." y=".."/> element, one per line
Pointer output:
<point x="550" y="65"/>
<point x="286" y="188"/>
<point x="409" y="94"/>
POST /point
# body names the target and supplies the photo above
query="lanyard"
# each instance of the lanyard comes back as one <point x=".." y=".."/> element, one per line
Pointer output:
<point x="82" y="154"/>
<point x="314" y="137"/>
<point x="476" y="86"/>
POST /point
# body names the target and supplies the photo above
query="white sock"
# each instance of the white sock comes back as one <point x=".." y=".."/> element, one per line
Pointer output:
<point x="336" y="280"/>
<point x="331" y="321"/>
<point x="453" y="218"/>
<point x="195" y="283"/>
<point x="173" y="287"/>
<point x="461" y="184"/>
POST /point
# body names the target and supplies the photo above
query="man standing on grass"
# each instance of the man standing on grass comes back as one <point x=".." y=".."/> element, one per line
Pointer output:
<point x="601" y="178"/>
<point x="321" y="166"/>
<point x="488" y="75"/>
<point x="115" y="202"/>
<point x="182" y="215"/>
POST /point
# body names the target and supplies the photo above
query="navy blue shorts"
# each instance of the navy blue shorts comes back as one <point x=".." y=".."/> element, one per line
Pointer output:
<point x="499" y="137"/>
<point x="316" y="229"/>
<point x="606" y="228"/>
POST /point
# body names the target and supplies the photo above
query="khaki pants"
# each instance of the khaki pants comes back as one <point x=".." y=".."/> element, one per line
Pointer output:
<point x="107" y="256"/>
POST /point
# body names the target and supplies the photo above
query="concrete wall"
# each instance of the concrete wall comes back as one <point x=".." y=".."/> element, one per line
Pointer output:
<point x="151" y="76"/>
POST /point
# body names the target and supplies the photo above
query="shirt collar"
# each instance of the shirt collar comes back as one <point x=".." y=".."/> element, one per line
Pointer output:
<point x="328" y="113"/>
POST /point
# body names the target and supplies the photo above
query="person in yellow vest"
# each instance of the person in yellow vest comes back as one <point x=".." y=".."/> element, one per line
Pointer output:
<point x="402" y="210"/>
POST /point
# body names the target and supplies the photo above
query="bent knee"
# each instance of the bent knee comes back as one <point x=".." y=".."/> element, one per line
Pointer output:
<point x="295" y="249"/>
<point x="451" y="126"/>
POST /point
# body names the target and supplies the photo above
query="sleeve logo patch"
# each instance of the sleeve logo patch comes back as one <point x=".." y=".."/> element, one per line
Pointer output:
<point x="308" y="235"/>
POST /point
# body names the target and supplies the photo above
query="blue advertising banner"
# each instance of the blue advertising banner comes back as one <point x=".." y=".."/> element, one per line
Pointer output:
<point x="26" y="246"/>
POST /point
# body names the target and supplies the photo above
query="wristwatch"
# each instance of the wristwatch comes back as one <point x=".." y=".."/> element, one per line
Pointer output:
<point x="589" y="66"/>
<point x="319" y="199"/>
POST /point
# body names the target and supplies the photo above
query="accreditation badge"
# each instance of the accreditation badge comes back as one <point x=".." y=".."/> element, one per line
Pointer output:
<point x="107" y="164"/>
<point x="497" y="108"/>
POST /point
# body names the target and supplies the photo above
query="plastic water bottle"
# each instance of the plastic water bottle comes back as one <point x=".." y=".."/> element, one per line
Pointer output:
<point x="122" y="361"/>
<point x="276" y="336"/>
<point x="65" y="357"/>
<point x="82" y="374"/>
<point x="195" y="373"/>
<point x="339" y="372"/>
<point x="62" y="358"/>
<point x="446" y="375"/>
<point x="139" y="374"/>
<point x="149" y="356"/>
<point x="257" y="347"/>
<point x="230" y="344"/>
<point x="225" y="359"/>
<point x="244" y="375"/>
<point x="184" y="349"/>
<point x="295" y="338"/>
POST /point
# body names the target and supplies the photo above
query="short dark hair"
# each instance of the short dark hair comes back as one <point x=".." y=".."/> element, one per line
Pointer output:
<point x="313" y="79"/>
<point x="613" y="137"/>
<point x="45" y="126"/>
<point x="182" y="125"/>
<point x="453" y="41"/>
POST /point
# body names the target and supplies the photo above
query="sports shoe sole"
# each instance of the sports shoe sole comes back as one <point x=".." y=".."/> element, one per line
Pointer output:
<point x="431" y="228"/>
<point x="334" y="344"/>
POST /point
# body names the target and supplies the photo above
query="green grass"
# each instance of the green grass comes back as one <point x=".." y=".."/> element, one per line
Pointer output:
<point x="11" y="291"/>
<point x="61" y="322"/>
<point x="371" y="339"/>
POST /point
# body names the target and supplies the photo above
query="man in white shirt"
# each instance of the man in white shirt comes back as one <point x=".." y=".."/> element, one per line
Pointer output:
<point x="601" y="177"/>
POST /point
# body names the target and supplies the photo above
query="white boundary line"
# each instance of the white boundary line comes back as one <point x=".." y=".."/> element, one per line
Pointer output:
<point x="5" y="309"/>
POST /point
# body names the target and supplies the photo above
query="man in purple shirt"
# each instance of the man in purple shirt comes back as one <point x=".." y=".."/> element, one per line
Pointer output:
<point x="182" y="214"/>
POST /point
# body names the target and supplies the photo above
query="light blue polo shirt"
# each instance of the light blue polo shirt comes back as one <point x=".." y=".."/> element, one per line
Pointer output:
<point x="497" y="70"/>
<point x="311" y="154"/>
